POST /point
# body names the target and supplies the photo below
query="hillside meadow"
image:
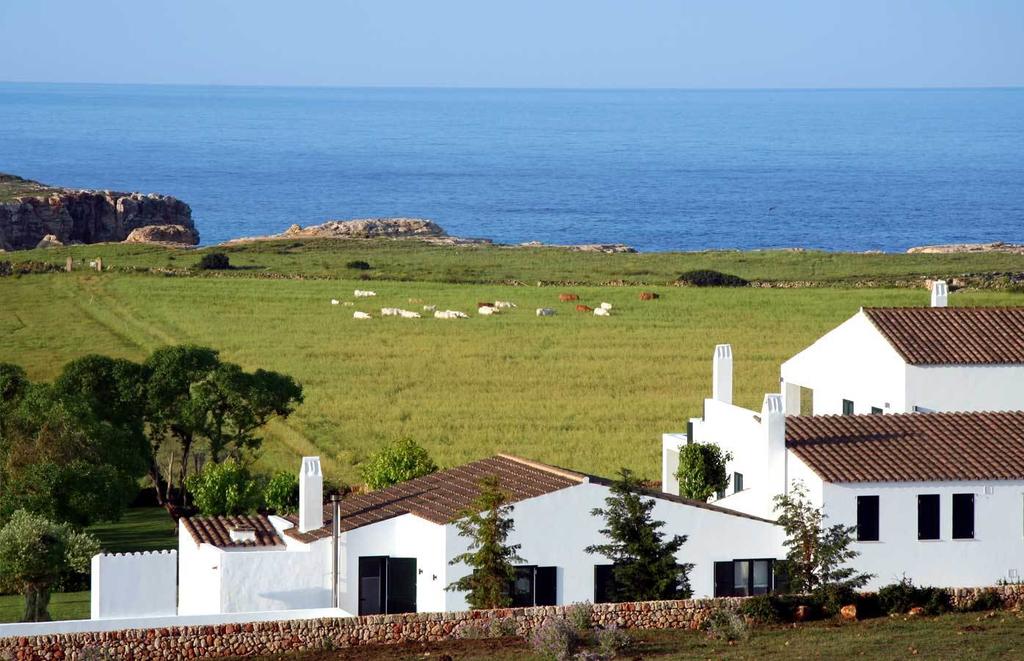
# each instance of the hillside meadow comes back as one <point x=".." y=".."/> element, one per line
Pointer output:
<point x="574" y="390"/>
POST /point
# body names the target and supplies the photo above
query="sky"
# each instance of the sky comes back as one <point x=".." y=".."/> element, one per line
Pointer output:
<point x="520" y="43"/>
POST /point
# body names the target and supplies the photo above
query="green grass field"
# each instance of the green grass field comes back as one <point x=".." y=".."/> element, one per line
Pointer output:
<point x="574" y="390"/>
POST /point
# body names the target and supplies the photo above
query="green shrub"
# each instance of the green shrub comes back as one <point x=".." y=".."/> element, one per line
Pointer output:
<point x="868" y="605"/>
<point x="709" y="278"/>
<point x="986" y="600"/>
<point x="612" y="641"/>
<point x="397" y="462"/>
<point x="224" y="489"/>
<point x="728" y="625"/>
<point x="701" y="472"/>
<point x="580" y="615"/>
<point x="214" y="261"/>
<point x="555" y="639"/>
<point x="358" y="265"/>
<point x="763" y="609"/>
<point x="899" y="598"/>
<point x="282" y="493"/>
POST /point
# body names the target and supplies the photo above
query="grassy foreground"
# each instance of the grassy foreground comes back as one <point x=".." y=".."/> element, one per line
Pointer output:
<point x="997" y="635"/>
<point x="576" y="390"/>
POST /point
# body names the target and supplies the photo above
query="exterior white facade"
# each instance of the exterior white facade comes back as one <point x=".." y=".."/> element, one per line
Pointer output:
<point x="134" y="584"/>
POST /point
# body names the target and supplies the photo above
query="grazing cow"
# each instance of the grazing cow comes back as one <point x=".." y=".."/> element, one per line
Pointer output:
<point x="485" y="304"/>
<point x="602" y="312"/>
<point x="568" y="298"/>
<point x="606" y="306"/>
<point x="584" y="308"/>
<point x="363" y="293"/>
<point x="504" y="305"/>
<point x="450" y="314"/>
<point x="429" y="308"/>
<point x="486" y="310"/>
<point x="390" y="312"/>
<point x="335" y="301"/>
<point x="416" y="300"/>
<point x="360" y="315"/>
<point x="545" y="312"/>
<point x="648" y="296"/>
<point x="409" y="314"/>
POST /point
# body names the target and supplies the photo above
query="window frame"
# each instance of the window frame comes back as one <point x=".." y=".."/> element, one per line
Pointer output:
<point x="861" y="535"/>
<point x="937" y="516"/>
<point x="848" y="407"/>
<point x="737" y="482"/>
<point x="958" y="530"/>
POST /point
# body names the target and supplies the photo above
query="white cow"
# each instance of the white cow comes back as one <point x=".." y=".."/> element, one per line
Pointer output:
<point x="602" y="312"/>
<point x="606" y="306"/>
<point x="429" y="308"/>
<point x="363" y="293"/>
<point x="486" y="310"/>
<point x="504" y="305"/>
<point x="409" y="314"/>
<point x="450" y="314"/>
<point x="545" y="312"/>
<point x="361" y="315"/>
<point x="390" y="312"/>
<point x="335" y="301"/>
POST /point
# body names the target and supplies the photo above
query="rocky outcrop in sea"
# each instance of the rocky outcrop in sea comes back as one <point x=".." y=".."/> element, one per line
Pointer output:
<point x="31" y="212"/>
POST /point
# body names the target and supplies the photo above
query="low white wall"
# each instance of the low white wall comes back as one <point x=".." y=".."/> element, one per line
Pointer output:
<point x="134" y="584"/>
<point x="198" y="576"/>
<point x="996" y="552"/>
<point x="265" y="580"/>
<point x="118" y="624"/>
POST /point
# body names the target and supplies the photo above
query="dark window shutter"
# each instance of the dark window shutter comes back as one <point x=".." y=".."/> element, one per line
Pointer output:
<point x="603" y="584"/>
<point x="546" y="586"/>
<point x="724" y="579"/>
<point x="401" y="585"/>
<point x="928" y="516"/>
<point x="963" y="516"/>
<point x="847" y="407"/>
<point x="867" y="518"/>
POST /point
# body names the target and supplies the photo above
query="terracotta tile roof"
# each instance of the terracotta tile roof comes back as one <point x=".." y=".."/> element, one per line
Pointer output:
<point x="442" y="496"/>
<point x="953" y="336"/>
<point x="216" y="530"/>
<point x="910" y="447"/>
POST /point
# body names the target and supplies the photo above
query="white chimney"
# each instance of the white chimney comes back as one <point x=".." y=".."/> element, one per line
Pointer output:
<point x="311" y="495"/>
<point x="940" y="294"/>
<point x="242" y="534"/>
<point x="721" y="374"/>
<point x="773" y="422"/>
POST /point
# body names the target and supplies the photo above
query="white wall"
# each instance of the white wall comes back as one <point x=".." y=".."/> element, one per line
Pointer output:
<point x="670" y="444"/>
<point x="134" y="584"/>
<point x="198" y="576"/>
<point x="997" y="550"/>
<point x="852" y="361"/>
<point x="406" y="536"/>
<point x="966" y="387"/>
<point x="553" y="530"/>
<point x="265" y="580"/>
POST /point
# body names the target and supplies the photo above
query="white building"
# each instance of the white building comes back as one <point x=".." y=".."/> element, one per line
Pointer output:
<point x="935" y="496"/>
<point x="396" y="545"/>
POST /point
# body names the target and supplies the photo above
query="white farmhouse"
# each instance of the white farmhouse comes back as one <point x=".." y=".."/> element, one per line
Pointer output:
<point x="396" y="545"/>
<point x="936" y="496"/>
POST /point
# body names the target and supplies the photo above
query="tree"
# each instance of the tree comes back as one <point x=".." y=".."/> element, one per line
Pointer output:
<point x="487" y="524"/>
<point x="644" y="565"/>
<point x="14" y="384"/>
<point x="35" y="553"/>
<point x="282" y="493"/>
<point x="701" y="471"/>
<point x="396" y="463"/>
<point x="224" y="489"/>
<point x="193" y="399"/>
<point x="214" y="261"/>
<point x="816" y="554"/>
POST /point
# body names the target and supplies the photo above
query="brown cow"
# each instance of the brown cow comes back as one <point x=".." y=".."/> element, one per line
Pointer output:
<point x="566" y="298"/>
<point x="584" y="308"/>
<point x="484" y="305"/>
<point x="648" y="296"/>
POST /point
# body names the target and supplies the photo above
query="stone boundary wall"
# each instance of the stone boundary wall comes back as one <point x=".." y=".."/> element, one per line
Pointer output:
<point x="252" y="638"/>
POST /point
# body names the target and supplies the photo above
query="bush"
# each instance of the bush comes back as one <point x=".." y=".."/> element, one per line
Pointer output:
<point x="282" y="493"/>
<point x="724" y="624"/>
<point x="214" y="261"/>
<point x="833" y="597"/>
<point x="580" y="615"/>
<point x="763" y="609"/>
<point x="396" y="463"/>
<point x="224" y="489"/>
<point x="986" y="600"/>
<point x="612" y="641"/>
<point x="555" y="639"/>
<point x="868" y="605"/>
<point x="358" y="265"/>
<point x="501" y="628"/>
<point x="899" y="598"/>
<point x="709" y="278"/>
<point x="701" y="472"/>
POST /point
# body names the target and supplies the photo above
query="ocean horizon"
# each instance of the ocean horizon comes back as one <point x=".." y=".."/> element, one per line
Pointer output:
<point x="659" y="169"/>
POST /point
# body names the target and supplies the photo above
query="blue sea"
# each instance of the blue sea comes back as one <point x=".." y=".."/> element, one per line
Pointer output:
<point x="659" y="170"/>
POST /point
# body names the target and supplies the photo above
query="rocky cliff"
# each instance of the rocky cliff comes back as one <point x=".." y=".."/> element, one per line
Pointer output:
<point x="30" y="211"/>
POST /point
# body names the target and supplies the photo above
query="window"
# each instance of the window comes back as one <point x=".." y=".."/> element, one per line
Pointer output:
<point x="867" y="518"/>
<point x="963" y="516"/>
<point x="847" y="407"/>
<point x="742" y="578"/>
<point x="928" y="516"/>
<point x="534" y="586"/>
<point x="876" y="411"/>
<point x="737" y="482"/>
<point x="604" y="584"/>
